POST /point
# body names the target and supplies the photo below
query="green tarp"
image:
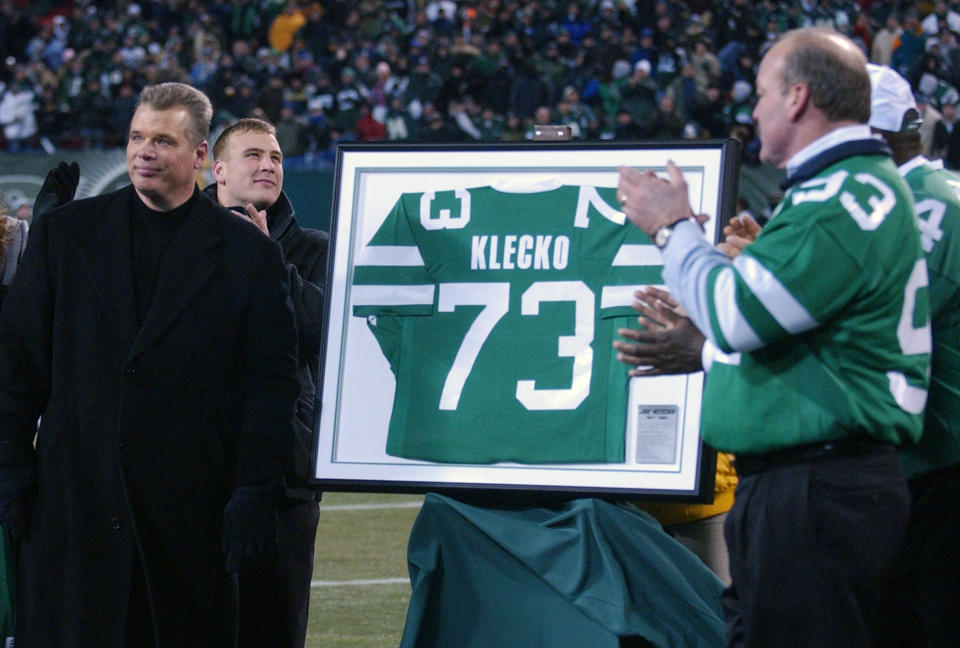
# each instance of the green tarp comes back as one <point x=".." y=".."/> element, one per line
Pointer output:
<point x="8" y="567"/>
<point x="585" y="573"/>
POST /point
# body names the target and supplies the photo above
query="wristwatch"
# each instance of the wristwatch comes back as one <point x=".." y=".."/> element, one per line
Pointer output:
<point x="662" y="235"/>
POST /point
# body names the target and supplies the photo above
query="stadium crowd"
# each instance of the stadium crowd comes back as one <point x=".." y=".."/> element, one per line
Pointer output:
<point x="442" y="70"/>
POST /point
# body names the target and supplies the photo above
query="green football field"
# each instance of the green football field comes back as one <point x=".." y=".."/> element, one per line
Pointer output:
<point x="360" y="583"/>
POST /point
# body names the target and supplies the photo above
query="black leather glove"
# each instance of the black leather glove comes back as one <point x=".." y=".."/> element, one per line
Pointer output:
<point x="250" y="526"/>
<point x="58" y="188"/>
<point x="17" y="490"/>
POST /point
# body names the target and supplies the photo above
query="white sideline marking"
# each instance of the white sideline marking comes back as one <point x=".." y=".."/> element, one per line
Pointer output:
<point x="367" y="507"/>
<point x="371" y="581"/>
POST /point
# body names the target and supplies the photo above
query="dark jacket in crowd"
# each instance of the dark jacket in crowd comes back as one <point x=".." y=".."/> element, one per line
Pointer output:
<point x="145" y="431"/>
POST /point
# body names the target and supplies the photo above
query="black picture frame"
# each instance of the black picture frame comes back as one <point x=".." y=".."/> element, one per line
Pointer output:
<point x="356" y="385"/>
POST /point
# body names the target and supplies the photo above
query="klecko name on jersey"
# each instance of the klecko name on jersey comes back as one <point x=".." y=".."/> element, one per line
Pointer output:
<point x="519" y="251"/>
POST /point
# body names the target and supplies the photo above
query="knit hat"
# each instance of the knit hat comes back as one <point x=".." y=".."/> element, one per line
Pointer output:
<point x="890" y="98"/>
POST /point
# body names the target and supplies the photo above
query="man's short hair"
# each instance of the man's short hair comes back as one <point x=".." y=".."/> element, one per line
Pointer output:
<point x="166" y="96"/>
<point x="837" y="78"/>
<point x="245" y="125"/>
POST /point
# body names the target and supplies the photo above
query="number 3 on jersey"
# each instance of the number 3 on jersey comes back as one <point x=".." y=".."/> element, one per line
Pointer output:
<point x="495" y="300"/>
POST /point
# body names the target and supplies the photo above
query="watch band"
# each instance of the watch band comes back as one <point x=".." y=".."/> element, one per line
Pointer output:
<point x="662" y="235"/>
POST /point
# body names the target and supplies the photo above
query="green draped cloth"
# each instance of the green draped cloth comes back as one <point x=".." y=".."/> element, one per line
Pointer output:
<point x="586" y="573"/>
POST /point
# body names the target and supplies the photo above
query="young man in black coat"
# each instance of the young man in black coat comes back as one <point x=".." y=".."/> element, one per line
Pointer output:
<point x="150" y="331"/>
<point x="248" y="169"/>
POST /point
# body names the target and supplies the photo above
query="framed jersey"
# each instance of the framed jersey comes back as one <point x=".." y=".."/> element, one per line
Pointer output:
<point x="474" y="293"/>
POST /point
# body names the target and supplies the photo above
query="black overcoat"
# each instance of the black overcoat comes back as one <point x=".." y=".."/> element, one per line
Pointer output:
<point x="144" y="431"/>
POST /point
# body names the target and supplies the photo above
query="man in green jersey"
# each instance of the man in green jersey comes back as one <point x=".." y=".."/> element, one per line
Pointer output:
<point x="823" y="337"/>
<point x="927" y="608"/>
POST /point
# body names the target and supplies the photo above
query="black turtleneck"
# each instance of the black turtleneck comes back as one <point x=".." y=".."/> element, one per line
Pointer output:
<point x="150" y="235"/>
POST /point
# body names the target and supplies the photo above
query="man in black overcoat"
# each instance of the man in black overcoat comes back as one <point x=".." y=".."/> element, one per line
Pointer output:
<point x="147" y="385"/>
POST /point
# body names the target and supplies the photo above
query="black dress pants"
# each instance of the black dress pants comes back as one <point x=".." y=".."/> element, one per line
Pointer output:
<point x="811" y="547"/>
<point x="275" y="595"/>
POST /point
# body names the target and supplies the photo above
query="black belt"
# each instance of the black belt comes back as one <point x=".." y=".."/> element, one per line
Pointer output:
<point x="858" y="446"/>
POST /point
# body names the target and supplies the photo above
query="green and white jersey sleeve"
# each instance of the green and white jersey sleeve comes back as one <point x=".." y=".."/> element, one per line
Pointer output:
<point x="824" y="318"/>
<point x="496" y="311"/>
<point x="936" y="192"/>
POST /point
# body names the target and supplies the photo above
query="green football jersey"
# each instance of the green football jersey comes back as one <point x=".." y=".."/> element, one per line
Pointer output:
<point x="829" y="307"/>
<point x="936" y="192"/>
<point x="496" y="312"/>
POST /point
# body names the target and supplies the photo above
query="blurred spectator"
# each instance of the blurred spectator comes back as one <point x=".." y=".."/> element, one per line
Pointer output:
<point x="17" y="27"/>
<point x="942" y="15"/>
<point x="122" y="107"/>
<point x="491" y="125"/>
<point x="244" y="19"/>
<point x="400" y="125"/>
<point x="295" y="94"/>
<point x="639" y="95"/>
<point x="423" y="87"/>
<point x="645" y="50"/>
<point x="491" y="70"/>
<point x="946" y="137"/>
<point x="945" y="47"/>
<point x="574" y="24"/>
<point x="381" y="91"/>
<point x="290" y="132"/>
<point x="731" y="25"/>
<point x="442" y="25"/>
<point x="317" y="128"/>
<point x="367" y="128"/>
<point x="93" y="111"/>
<point x="23" y="211"/>
<point x="881" y="49"/>
<point x="742" y="68"/>
<point x="625" y="128"/>
<point x="739" y="110"/>
<point x="528" y="92"/>
<point x="432" y="9"/>
<point x="52" y="115"/>
<point x="707" y="112"/>
<point x="13" y="240"/>
<point x="706" y="65"/>
<point x="271" y="98"/>
<point x="512" y="130"/>
<point x="931" y="84"/>
<point x="244" y="101"/>
<point x="285" y="25"/>
<point x="454" y="87"/>
<point x="581" y="118"/>
<point x="436" y="128"/>
<point x="860" y="33"/>
<point x="349" y="97"/>
<point x="551" y="67"/>
<point x="18" y="113"/>
<point x="541" y="116"/>
<point x="459" y="115"/>
<point x="908" y="46"/>
<point x="667" y="122"/>
<point x="931" y="118"/>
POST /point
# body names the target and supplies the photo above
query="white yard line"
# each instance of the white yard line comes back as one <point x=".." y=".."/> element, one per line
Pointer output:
<point x="370" y="581"/>
<point x="365" y="507"/>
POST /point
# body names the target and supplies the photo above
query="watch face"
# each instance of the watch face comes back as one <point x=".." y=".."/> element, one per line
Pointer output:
<point x="661" y="236"/>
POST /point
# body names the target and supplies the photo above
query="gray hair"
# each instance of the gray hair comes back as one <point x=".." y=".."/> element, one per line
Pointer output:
<point x="165" y="96"/>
